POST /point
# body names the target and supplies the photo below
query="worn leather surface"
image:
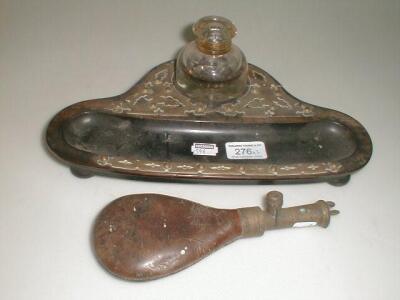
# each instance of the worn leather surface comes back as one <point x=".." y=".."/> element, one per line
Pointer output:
<point x="146" y="236"/>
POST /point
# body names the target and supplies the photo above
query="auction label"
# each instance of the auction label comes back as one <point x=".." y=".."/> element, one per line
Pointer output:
<point x="246" y="150"/>
<point x="204" y="149"/>
<point x="304" y="224"/>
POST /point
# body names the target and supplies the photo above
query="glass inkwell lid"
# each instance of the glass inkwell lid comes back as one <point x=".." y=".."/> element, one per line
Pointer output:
<point x="211" y="68"/>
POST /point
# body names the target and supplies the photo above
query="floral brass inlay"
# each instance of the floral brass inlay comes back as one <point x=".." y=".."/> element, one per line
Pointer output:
<point x="156" y="95"/>
<point x="219" y="169"/>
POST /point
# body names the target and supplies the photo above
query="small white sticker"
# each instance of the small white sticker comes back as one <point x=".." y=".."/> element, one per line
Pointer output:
<point x="204" y="149"/>
<point x="304" y="224"/>
<point x="245" y="150"/>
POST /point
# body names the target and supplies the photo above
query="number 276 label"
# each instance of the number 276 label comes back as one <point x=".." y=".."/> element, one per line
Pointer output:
<point x="246" y="150"/>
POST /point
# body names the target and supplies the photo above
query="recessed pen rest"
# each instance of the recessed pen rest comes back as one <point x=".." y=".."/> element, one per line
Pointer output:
<point x="152" y="130"/>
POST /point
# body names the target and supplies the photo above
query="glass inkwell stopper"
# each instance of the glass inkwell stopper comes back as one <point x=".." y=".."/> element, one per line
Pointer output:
<point x="211" y="68"/>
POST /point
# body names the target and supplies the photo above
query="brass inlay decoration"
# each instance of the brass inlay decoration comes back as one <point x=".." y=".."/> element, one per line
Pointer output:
<point x="156" y="95"/>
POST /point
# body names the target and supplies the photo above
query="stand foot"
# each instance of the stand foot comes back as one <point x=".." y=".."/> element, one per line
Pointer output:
<point x="81" y="173"/>
<point x="340" y="181"/>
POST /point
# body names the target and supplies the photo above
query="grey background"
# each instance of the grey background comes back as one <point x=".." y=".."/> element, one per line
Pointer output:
<point x="338" y="54"/>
